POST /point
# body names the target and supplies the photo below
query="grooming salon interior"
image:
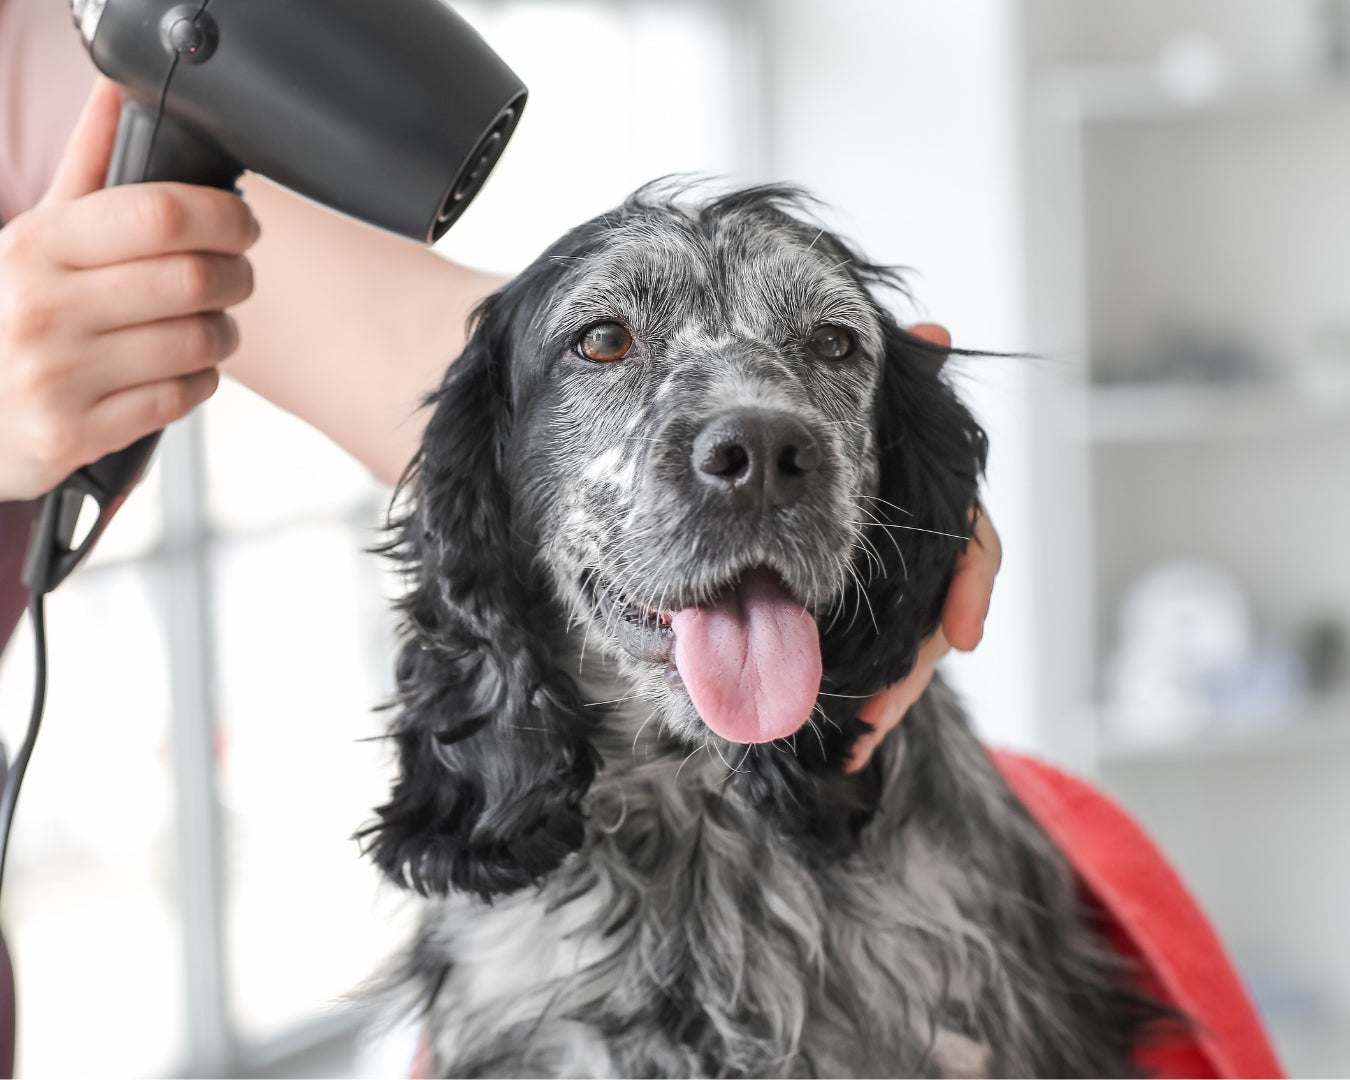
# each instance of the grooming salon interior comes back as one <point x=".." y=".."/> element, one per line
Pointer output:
<point x="1148" y="203"/>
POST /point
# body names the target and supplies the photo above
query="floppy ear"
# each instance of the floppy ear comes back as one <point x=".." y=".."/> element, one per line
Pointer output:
<point x="930" y="454"/>
<point x="493" y="743"/>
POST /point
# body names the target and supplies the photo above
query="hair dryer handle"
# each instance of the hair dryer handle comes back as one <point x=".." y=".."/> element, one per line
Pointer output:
<point x="152" y="146"/>
<point x="52" y="551"/>
<point x="149" y="147"/>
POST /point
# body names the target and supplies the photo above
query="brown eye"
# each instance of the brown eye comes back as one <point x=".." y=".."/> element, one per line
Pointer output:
<point x="830" y="342"/>
<point x="605" y="342"/>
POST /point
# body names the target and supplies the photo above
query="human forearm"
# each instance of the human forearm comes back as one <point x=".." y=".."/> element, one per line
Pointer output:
<point x="349" y="328"/>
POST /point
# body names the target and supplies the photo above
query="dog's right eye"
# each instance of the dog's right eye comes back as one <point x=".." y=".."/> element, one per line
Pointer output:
<point x="830" y="342"/>
<point x="605" y="342"/>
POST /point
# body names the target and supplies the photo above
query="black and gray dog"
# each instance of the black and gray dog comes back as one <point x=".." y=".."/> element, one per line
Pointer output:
<point x="687" y="499"/>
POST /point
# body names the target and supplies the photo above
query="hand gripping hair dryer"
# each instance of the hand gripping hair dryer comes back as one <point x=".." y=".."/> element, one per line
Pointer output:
<point x="391" y="111"/>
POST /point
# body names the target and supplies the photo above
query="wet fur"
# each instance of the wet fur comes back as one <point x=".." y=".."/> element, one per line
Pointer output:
<point x="611" y="888"/>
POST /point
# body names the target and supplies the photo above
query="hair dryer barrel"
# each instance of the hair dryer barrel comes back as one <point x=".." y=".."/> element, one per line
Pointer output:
<point x="392" y="111"/>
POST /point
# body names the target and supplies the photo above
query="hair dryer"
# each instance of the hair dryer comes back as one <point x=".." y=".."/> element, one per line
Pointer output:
<point x="391" y="111"/>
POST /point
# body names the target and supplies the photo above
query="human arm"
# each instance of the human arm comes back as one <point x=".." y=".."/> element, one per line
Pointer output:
<point x="113" y="321"/>
<point x="349" y="328"/>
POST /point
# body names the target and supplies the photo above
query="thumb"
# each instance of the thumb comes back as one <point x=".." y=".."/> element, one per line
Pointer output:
<point x="84" y="165"/>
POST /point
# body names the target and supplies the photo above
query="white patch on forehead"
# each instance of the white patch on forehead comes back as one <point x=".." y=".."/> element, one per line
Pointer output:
<point x="748" y="323"/>
<point x="739" y="389"/>
<point x="605" y="467"/>
<point x="711" y="336"/>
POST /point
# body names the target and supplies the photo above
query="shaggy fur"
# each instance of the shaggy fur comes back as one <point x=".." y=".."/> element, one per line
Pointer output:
<point x="612" y="889"/>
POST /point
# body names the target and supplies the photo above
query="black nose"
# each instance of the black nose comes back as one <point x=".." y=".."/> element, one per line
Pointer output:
<point x="756" y="457"/>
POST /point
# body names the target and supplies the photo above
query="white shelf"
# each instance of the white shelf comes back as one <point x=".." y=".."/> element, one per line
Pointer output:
<point x="1180" y="413"/>
<point x="1320" y="725"/>
<point x="1106" y="93"/>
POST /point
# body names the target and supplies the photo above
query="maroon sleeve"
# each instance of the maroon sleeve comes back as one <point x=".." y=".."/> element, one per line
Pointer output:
<point x="44" y="77"/>
<point x="16" y="520"/>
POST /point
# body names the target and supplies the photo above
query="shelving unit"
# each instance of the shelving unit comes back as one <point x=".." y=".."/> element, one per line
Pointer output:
<point x="1152" y="414"/>
<point x="1231" y="215"/>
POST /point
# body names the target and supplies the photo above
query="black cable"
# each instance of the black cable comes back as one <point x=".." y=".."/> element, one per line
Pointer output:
<point x="15" y="775"/>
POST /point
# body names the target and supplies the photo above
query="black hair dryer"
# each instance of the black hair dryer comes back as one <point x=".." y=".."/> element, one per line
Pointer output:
<point x="391" y="111"/>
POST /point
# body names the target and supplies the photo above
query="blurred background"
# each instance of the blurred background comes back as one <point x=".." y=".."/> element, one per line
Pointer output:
<point x="1151" y="199"/>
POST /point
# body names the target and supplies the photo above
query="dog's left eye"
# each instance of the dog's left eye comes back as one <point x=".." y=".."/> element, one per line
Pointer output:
<point x="830" y="342"/>
<point x="605" y="342"/>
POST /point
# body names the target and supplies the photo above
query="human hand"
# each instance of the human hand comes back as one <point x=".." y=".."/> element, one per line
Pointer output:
<point x="963" y="615"/>
<point x="112" y="308"/>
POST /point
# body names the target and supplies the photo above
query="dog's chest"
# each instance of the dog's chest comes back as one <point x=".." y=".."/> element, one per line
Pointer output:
<point x="688" y="938"/>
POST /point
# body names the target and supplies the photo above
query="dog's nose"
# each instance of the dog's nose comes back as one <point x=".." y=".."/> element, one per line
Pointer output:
<point x="756" y="457"/>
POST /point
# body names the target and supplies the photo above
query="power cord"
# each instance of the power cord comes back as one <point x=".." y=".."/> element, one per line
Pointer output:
<point x="14" y="777"/>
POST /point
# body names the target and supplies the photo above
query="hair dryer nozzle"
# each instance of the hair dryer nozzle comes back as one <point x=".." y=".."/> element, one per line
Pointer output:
<point x="476" y="167"/>
<point x="392" y="111"/>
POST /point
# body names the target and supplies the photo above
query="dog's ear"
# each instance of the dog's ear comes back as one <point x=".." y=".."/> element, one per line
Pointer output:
<point x="493" y="742"/>
<point x="930" y="455"/>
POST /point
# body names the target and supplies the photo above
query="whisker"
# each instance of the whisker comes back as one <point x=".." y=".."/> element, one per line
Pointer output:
<point x="931" y="532"/>
<point x="820" y="737"/>
<point x="825" y="716"/>
<point x="736" y="769"/>
<point x="612" y="701"/>
<point x="732" y="770"/>
<point x="690" y="754"/>
<point x="641" y="727"/>
<point x="862" y="592"/>
<point x="884" y="502"/>
<point x="874" y="520"/>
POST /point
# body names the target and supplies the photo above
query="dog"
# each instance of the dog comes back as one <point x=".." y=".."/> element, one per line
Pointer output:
<point x="689" y="497"/>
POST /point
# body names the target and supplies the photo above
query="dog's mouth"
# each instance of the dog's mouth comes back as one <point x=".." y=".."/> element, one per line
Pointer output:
<point x="749" y="659"/>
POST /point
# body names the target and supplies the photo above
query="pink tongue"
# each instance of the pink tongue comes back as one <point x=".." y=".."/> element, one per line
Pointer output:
<point x="751" y="662"/>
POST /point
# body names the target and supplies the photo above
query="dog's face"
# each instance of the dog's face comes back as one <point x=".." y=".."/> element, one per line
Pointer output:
<point x="693" y="434"/>
<point x="693" y="453"/>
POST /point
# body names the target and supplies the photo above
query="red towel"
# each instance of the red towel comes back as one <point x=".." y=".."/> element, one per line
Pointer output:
<point x="1153" y="919"/>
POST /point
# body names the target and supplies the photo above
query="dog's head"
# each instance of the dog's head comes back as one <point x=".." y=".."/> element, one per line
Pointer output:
<point x="692" y="433"/>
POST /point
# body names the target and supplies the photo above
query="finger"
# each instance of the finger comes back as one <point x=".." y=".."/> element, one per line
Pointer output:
<point x="153" y="352"/>
<point x="140" y="221"/>
<point x="932" y="333"/>
<point x="885" y="709"/>
<point x="84" y="164"/>
<point x="968" y="597"/>
<point x="151" y="290"/>
<point x="120" y="419"/>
